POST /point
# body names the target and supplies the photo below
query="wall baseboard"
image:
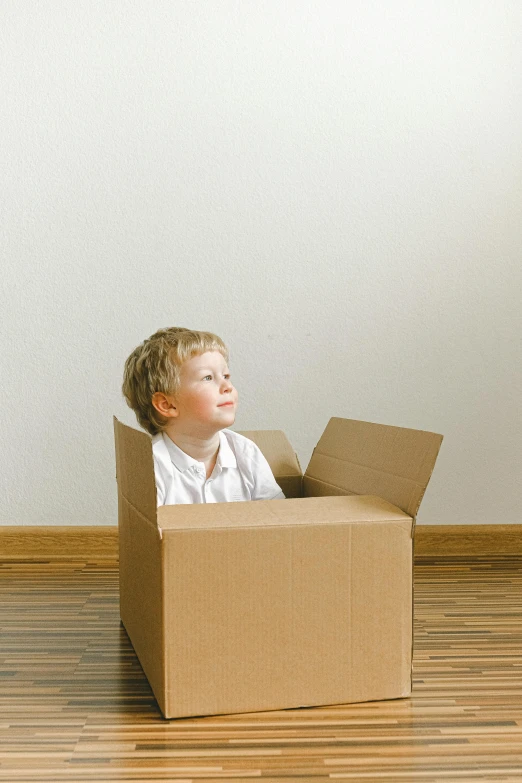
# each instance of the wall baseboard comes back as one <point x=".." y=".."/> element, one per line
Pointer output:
<point x="436" y="540"/>
<point x="101" y="542"/>
<point x="59" y="542"/>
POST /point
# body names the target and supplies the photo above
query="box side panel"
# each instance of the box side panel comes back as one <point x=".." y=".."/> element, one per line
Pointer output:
<point x="141" y="599"/>
<point x="135" y="469"/>
<point x="291" y="486"/>
<point x="315" y="488"/>
<point x="278" y="452"/>
<point x="374" y="459"/>
<point x="274" y="618"/>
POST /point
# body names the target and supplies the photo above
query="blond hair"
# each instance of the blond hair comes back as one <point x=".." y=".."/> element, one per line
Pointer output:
<point x="154" y="366"/>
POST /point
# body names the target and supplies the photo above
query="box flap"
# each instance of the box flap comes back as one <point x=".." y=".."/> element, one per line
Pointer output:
<point x="277" y="450"/>
<point x="135" y="469"/>
<point x="362" y="458"/>
<point x="281" y="513"/>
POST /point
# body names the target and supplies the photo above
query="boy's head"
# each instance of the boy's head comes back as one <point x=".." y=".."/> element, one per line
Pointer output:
<point x="153" y="375"/>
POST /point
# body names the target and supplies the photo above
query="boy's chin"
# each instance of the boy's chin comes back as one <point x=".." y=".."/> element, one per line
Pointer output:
<point x="228" y="416"/>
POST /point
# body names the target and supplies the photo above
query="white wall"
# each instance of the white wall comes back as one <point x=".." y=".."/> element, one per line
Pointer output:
<point x="333" y="187"/>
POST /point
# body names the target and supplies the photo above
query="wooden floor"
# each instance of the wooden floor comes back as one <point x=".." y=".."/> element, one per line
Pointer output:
<point x="75" y="706"/>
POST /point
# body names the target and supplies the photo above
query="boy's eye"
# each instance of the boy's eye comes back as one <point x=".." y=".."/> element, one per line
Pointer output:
<point x="209" y="377"/>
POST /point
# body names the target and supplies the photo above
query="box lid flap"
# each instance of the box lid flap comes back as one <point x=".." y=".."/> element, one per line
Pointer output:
<point x="135" y="469"/>
<point x="277" y="450"/>
<point x="289" y="512"/>
<point x="363" y="458"/>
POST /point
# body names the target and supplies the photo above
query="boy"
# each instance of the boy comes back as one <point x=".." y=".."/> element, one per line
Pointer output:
<point x="178" y="384"/>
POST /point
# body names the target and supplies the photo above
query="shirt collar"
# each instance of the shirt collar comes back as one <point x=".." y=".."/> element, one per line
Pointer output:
<point x="182" y="461"/>
<point x="226" y="457"/>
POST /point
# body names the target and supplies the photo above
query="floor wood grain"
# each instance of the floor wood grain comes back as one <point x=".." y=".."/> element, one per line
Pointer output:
<point x="75" y="706"/>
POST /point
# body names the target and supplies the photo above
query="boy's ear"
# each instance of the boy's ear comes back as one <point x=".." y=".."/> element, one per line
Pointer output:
<point x="165" y="404"/>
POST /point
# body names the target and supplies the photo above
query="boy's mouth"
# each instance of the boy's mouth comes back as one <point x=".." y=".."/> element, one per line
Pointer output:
<point x="225" y="403"/>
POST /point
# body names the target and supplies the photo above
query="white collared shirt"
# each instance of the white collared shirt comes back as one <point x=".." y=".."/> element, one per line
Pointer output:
<point x="241" y="473"/>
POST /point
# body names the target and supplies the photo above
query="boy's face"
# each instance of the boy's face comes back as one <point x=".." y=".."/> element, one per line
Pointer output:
<point x="206" y="400"/>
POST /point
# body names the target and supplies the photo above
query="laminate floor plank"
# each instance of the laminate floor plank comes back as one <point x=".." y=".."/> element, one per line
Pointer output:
<point x="75" y="705"/>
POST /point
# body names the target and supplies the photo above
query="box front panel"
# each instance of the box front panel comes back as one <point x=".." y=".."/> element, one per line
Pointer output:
<point x="280" y="617"/>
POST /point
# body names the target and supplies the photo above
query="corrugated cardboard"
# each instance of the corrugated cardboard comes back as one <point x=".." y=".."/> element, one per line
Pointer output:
<point x="238" y="607"/>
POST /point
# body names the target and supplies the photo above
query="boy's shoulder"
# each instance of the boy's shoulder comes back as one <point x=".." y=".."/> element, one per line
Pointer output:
<point x="248" y="455"/>
<point x="239" y="442"/>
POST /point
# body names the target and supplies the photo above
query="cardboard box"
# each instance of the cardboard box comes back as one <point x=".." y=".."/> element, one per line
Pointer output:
<point x="307" y="601"/>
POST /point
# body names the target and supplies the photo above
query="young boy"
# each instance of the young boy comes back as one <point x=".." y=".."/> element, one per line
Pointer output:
<point x="178" y="384"/>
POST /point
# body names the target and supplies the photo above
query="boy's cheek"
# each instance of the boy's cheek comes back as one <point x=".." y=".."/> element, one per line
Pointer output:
<point x="204" y="407"/>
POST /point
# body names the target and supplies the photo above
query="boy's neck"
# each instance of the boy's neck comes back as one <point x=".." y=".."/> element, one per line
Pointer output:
<point x="202" y="449"/>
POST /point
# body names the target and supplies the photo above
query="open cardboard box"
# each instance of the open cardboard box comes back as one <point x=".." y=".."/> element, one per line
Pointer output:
<point x="307" y="601"/>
